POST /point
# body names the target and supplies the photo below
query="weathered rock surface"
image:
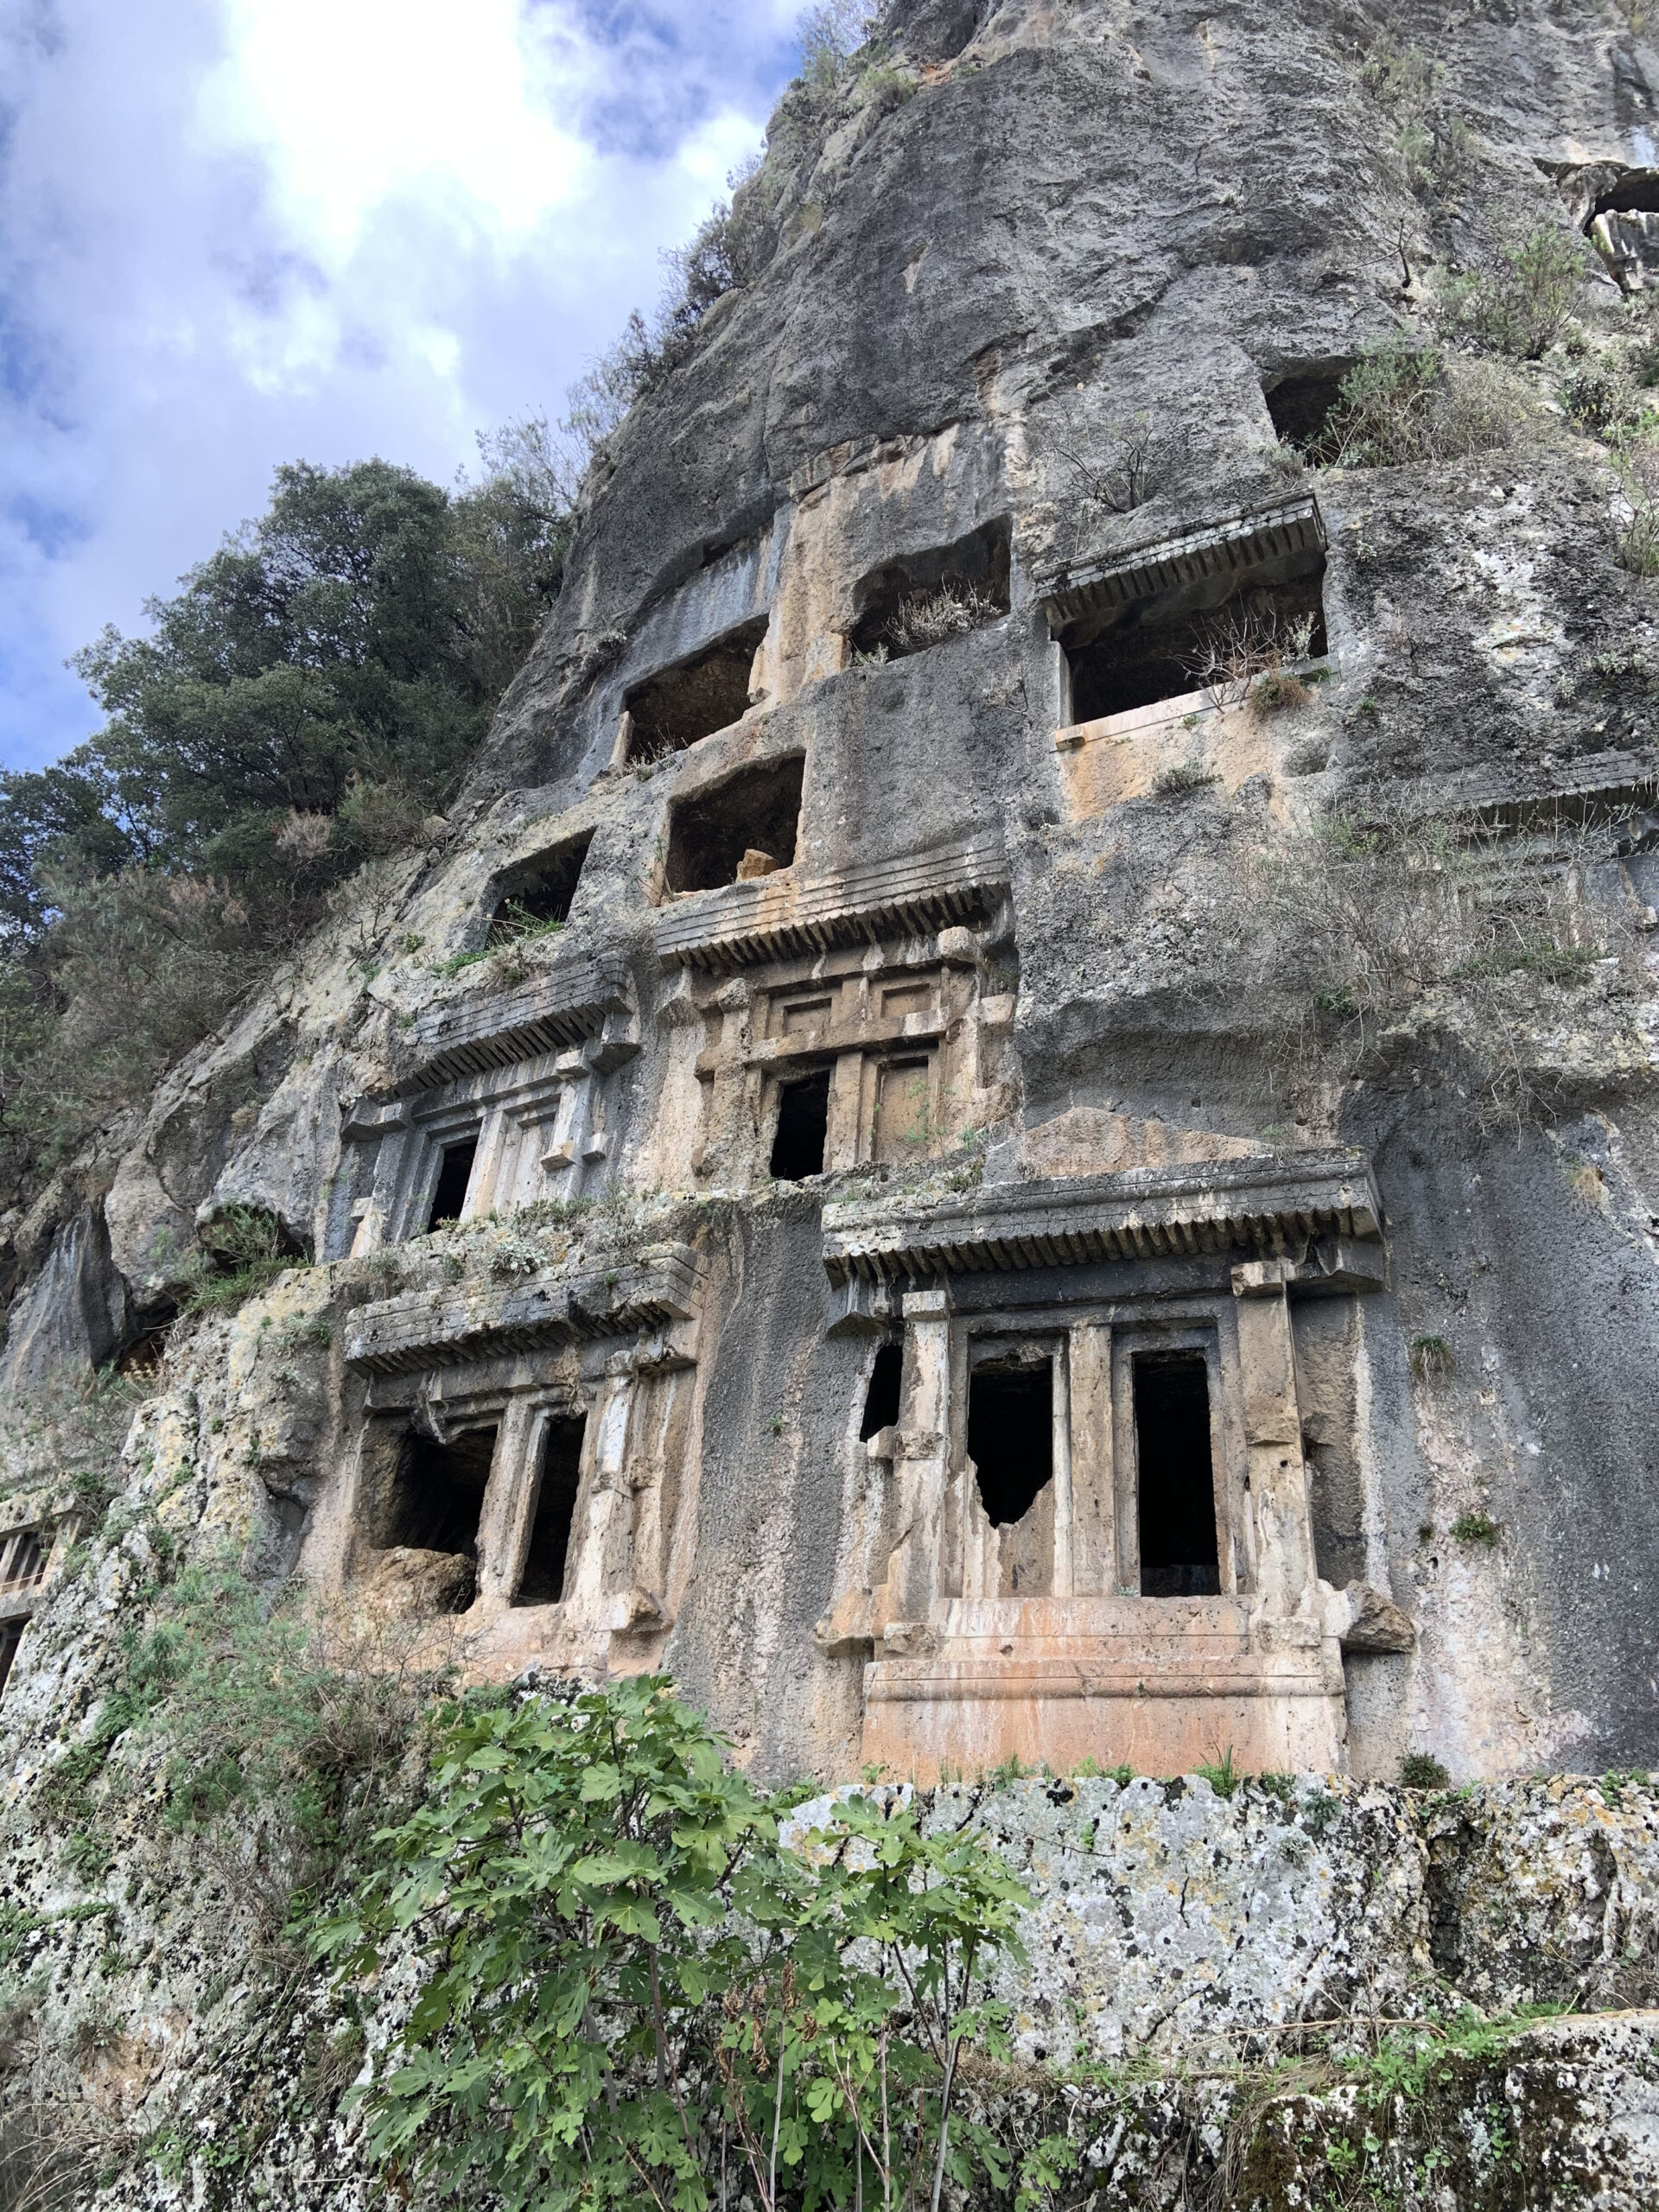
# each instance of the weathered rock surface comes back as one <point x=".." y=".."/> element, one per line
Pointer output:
<point x="967" y="1034"/>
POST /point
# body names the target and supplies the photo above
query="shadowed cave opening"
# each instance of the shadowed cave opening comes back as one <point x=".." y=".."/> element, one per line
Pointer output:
<point x="538" y="892"/>
<point x="802" y="1128"/>
<point x="542" y="1582"/>
<point x="1300" y="405"/>
<point x="1178" y="1556"/>
<point x="437" y="1493"/>
<point x="1166" y="647"/>
<point x="1011" y="1436"/>
<point x="909" y="605"/>
<point x="693" y="700"/>
<point x="11" y="1635"/>
<point x="744" y="828"/>
<point x="881" y="1399"/>
<point x="454" y="1175"/>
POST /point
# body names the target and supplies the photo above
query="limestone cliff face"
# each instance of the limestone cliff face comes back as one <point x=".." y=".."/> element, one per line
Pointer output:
<point x="925" y="1158"/>
<point x="1015" y="1112"/>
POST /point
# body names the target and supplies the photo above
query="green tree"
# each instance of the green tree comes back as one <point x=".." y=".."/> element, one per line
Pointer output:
<point x="300" y="706"/>
<point x="322" y="648"/>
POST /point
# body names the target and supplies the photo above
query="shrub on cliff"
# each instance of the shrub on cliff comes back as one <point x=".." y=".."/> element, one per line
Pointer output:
<point x="1519" y="305"/>
<point x="1363" y="924"/>
<point x="632" y="1993"/>
<point x="1402" y="404"/>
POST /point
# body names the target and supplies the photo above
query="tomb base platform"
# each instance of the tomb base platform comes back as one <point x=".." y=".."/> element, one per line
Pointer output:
<point x="1157" y="1684"/>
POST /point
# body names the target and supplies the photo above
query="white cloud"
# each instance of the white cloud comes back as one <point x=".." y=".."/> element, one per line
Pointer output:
<point x="351" y="101"/>
<point x="236" y="232"/>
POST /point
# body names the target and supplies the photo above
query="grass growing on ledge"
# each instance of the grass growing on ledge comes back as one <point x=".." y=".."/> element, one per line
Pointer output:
<point x="1476" y="1528"/>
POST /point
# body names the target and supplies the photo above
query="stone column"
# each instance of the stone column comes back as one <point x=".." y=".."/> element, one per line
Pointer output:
<point x="602" y="1499"/>
<point x="1281" y="1502"/>
<point x="922" y="1469"/>
<point x="502" y="1518"/>
<point x="841" y="1145"/>
<point x="1094" y="1547"/>
<point x="1063" y="1583"/>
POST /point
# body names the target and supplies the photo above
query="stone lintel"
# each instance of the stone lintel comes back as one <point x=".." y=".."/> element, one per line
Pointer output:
<point x="553" y="1012"/>
<point x="1272" y="1207"/>
<point x="428" y="1328"/>
<point x="777" y="915"/>
<point x="858" y="1308"/>
<point x="1235" y="546"/>
<point x="374" y="1117"/>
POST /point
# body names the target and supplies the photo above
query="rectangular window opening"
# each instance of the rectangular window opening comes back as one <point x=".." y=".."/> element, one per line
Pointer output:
<point x="926" y="598"/>
<point x="802" y="1128"/>
<point x="679" y="706"/>
<point x="535" y="897"/>
<point x="542" y="1582"/>
<point x="23" y="1560"/>
<point x="744" y="828"/>
<point x="1011" y="1436"/>
<point x="881" y="1399"/>
<point x="438" y="1494"/>
<point x="11" y="1635"/>
<point x="1177" y="1490"/>
<point x="453" y="1176"/>
<point x="1164" y="647"/>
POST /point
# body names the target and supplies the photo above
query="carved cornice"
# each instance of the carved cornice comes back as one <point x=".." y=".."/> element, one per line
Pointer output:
<point x="434" y="1328"/>
<point x="1285" y="537"/>
<point x="781" y="914"/>
<point x="1272" y="1207"/>
<point x="551" y="1014"/>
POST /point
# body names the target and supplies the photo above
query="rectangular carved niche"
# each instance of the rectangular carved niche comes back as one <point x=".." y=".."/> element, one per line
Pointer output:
<point x="743" y="827"/>
<point x="1194" y="641"/>
<point x="1194" y="621"/>
<point x="680" y="705"/>
<point x="924" y="598"/>
<point x="536" y="895"/>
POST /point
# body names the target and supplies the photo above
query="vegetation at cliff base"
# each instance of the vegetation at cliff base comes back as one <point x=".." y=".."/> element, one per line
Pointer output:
<point x="634" y="1990"/>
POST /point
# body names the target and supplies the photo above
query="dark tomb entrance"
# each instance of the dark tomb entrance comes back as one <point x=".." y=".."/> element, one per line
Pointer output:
<point x="742" y="829"/>
<point x="453" y="1176"/>
<point x="802" y="1128"/>
<point x="437" y="1495"/>
<point x="542" y="1582"/>
<point x="1011" y="1437"/>
<point x="1179" y="1557"/>
<point x="881" y="1399"/>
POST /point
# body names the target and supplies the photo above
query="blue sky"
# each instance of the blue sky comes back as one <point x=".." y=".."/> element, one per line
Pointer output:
<point x="237" y="232"/>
